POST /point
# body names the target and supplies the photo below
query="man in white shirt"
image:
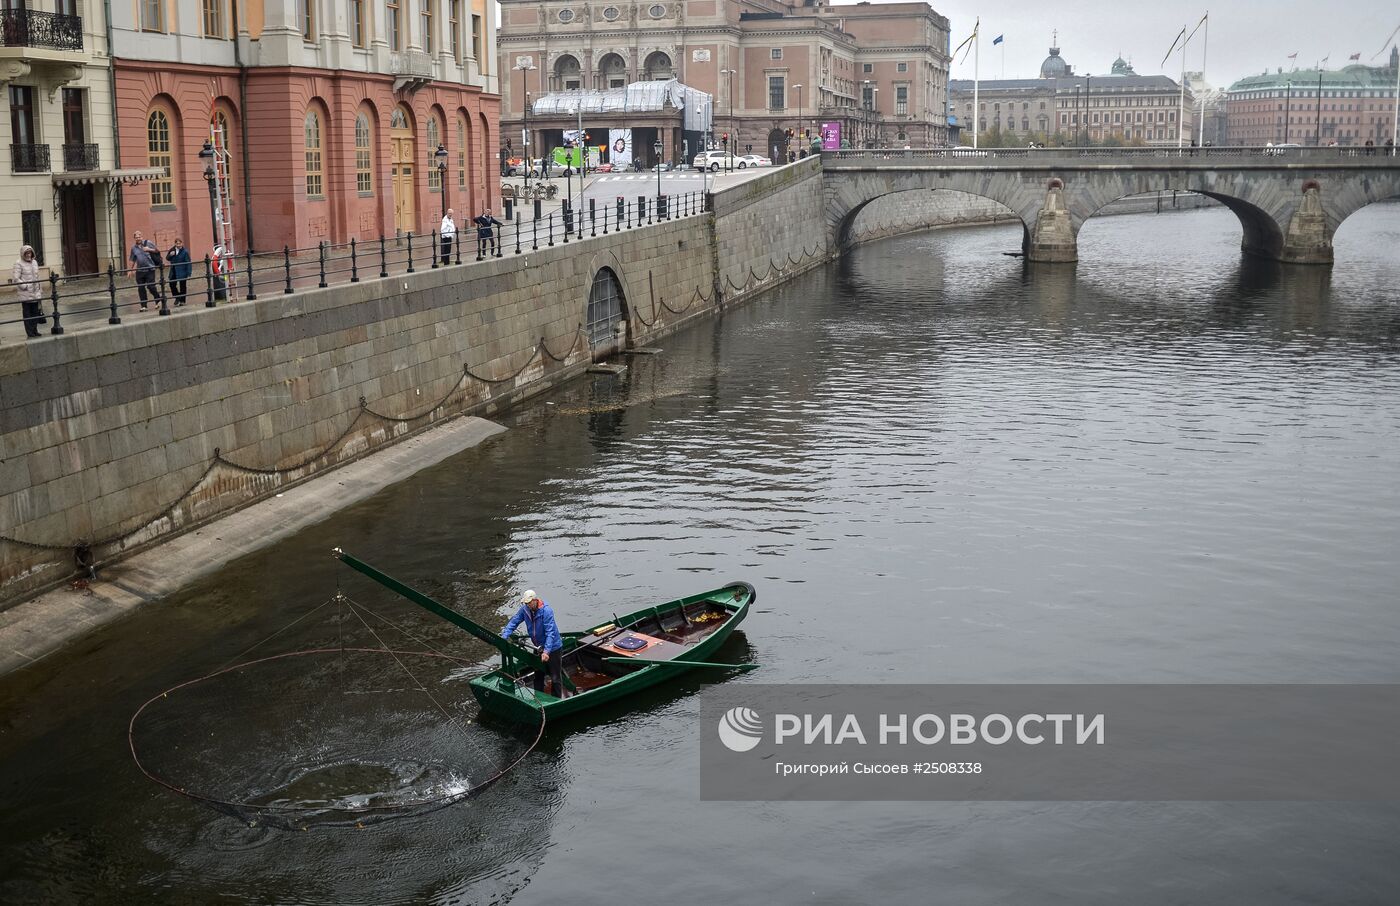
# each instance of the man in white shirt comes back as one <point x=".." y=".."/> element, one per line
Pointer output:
<point x="447" y="234"/>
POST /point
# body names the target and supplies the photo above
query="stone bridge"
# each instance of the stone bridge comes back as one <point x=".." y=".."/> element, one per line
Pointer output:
<point x="1290" y="201"/>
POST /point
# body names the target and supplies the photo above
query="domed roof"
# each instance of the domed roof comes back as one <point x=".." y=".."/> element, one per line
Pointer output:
<point x="1122" y="67"/>
<point x="1054" y="66"/>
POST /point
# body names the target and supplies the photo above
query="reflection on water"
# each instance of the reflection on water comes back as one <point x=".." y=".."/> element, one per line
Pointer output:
<point x="936" y="463"/>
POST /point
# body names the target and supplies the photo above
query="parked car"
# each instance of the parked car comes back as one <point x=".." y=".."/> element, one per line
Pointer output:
<point x="513" y="166"/>
<point x="603" y="168"/>
<point x="715" y="161"/>
<point x="755" y="160"/>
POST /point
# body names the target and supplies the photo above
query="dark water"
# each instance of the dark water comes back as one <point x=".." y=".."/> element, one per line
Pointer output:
<point x="1166" y="465"/>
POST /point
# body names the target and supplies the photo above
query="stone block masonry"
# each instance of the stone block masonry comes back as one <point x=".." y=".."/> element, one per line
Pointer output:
<point x="116" y="438"/>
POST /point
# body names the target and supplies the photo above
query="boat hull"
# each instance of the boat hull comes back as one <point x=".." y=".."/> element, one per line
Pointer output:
<point x="501" y="695"/>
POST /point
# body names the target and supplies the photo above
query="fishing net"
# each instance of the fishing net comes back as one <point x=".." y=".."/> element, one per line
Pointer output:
<point x="373" y="724"/>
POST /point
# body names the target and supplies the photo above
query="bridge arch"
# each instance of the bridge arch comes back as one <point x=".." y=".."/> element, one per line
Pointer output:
<point x="1261" y="232"/>
<point x="912" y="210"/>
<point x="1289" y="208"/>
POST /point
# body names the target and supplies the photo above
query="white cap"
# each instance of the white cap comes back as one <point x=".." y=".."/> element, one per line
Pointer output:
<point x="527" y="597"/>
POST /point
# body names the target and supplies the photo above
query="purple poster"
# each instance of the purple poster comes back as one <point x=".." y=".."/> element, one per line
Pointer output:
<point x="831" y="136"/>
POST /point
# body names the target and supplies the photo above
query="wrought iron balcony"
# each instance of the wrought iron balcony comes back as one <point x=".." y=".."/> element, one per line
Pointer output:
<point x="80" y="157"/>
<point x="29" y="158"/>
<point x="31" y="28"/>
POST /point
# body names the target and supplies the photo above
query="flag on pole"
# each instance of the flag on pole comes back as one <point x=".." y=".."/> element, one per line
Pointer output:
<point x="997" y="39"/>
<point x="1179" y="35"/>
<point x="975" y="25"/>
<point x="1293" y="55"/>
<point x="1355" y="56"/>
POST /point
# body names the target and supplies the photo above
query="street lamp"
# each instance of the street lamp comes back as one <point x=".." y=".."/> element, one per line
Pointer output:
<point x="526" y="65"/>
<point x="1287" y="110"/>
<point x="211" y="176"/>
<point x="657" y="148"/>
<point x="798" y="89"/>
<point x="440" y="155"/>
<point x="733" y="132"/>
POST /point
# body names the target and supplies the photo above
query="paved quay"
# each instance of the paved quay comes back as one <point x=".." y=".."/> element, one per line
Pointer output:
<point x="40" y="626"/>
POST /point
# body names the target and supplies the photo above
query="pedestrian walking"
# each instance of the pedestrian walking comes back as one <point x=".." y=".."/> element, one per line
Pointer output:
<point x="146" y="258"/>
<point x="179" y="260"/>
<point x="447" y="233"/>
<point x="30" y="290"/>
<point x="1370" y="147"/>
<point x="484" y="233"/>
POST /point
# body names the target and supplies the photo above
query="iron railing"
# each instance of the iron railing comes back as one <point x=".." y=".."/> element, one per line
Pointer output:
<point x="973" y="156"/>
<point x="80" y="157"/>
<point x="31" y="28"/>
<point x="91" y="299"/>
<point x="29" y="158"/>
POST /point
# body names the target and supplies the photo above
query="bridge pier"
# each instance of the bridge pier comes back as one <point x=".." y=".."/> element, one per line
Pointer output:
<point x="1051" y="240"/>
<point x="1308" y="239"/>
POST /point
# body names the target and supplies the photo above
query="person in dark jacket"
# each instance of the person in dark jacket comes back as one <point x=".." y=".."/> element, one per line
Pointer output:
<point x="146" y="258"/>
<point x="179" y="259"/>
<point x="484" y="234"/>
<point x="538" y="618"/>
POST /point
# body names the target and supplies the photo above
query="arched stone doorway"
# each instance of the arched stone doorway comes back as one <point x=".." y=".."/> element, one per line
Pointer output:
<point x="568" y="75"/>
<point x="607" y="307"/>
<point x="777" y="147"/>
<point x="403" y="151"/>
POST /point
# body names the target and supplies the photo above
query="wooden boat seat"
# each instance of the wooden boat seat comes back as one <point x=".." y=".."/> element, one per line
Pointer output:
<point x="656" y="649"/>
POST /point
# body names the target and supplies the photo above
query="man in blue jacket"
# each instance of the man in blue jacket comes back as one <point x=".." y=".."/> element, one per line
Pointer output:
<point x="538" y="618"/>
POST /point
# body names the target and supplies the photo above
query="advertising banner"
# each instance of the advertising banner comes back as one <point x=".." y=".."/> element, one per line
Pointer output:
<point x="831" y="136"/>
<point x="620" y="148"/>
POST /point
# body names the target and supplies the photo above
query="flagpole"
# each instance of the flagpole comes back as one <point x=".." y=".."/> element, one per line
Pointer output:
<point x="976" y="61"/>
<point x="1181" y="100"/>
<point x="1205" y="49"/>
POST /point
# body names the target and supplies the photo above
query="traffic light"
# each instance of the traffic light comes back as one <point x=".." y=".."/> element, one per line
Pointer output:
<point x="789" y="134"/>
<point x="726" y="139"/>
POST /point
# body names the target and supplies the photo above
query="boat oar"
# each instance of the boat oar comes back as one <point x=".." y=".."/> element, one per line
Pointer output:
<point x="635" y="662"/>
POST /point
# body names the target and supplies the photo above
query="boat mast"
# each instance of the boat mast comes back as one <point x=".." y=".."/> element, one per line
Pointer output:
<point x="507" y="648"/>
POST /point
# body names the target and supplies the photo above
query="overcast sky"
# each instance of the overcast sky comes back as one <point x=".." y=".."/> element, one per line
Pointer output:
<point x="1246" y="36"/>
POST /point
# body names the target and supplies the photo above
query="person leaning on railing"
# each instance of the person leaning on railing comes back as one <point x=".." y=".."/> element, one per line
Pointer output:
<point x="30" y="290"/>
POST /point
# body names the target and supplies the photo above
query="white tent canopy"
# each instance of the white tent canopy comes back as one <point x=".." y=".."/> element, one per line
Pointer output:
<point x="639" y="97"/>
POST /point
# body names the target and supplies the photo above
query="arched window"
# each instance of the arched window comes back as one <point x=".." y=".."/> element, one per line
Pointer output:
<point x="158" y="155"/>
<point x="434" y="139"/>
<point x="315" y="183"/>
<point x="658" y="67"/>
<point x="567" y="73"/>
<point x="364" y="156"/>
<point x="398" y="119"/>
<point x="461" y="153"/>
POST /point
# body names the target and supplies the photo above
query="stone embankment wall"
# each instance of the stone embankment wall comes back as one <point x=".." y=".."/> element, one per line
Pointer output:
<point x="115" y="438"/>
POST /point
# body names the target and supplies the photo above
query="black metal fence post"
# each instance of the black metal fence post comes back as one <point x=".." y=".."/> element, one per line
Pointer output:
<point x="112" y="294"/>
<point x="498" y="239"/>
<point x="53" y="294"/>
<point x="517" y="232"/>
<point x="383" y="259"/>
<point x="551" y="229"/>
<point x="410" y="251"/>
<point x="433" y="246"/>
<point x="208" y="282"/>
<point x="287" y="270"/>
<point x="164" y="292"/>
<point x="252" y="296"/>
<point x="592" y="218"/>
<point x="457" y="240"/>
<point x="566" y="217"/>
<point x="321" y="248"/>
<point x="535" y="235"/>
<point x="354" y="262"/>
<point x="480" y="248"/>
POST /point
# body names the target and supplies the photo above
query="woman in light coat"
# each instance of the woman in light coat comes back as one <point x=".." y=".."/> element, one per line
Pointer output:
<point x="30" y="290"/>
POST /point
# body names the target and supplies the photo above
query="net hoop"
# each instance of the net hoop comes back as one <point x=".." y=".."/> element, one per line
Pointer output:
<point x="344" y="814"/>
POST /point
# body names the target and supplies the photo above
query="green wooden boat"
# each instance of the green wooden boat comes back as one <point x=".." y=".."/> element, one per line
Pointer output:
<point x="606" y="663"/>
